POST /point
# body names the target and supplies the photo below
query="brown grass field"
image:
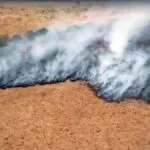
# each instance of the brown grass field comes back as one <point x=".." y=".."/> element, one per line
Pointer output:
<point x="66" y="116"/>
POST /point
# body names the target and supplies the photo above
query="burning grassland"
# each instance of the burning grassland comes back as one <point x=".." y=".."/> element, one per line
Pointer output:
<point x="112" y="60"/>
<point x="70" y="115"/>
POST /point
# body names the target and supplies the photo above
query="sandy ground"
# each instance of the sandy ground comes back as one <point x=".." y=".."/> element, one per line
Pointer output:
<point x="66" y="116"/>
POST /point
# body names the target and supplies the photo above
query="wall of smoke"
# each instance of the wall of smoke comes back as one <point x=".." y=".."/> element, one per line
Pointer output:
<point x="113" y="58"/>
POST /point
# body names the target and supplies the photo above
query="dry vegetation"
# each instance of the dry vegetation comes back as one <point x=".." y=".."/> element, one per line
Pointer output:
<point x="18" y="19"/>
<point x="65" y="116"/>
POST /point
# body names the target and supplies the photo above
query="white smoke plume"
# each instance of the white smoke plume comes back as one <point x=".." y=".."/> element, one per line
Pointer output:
<point x="113" y="58"/>
<point x="124" y="28"/>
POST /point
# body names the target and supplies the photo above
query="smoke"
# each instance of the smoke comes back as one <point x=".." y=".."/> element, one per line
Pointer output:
<point x="123" y="29"/>
<point x="113" y="58"/>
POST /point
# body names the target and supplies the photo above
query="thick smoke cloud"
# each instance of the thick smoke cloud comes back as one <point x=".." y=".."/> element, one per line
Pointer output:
<point x="81" y="52"/>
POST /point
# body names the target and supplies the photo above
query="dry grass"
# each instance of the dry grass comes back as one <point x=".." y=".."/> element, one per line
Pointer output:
<point x="18" y="18"/>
